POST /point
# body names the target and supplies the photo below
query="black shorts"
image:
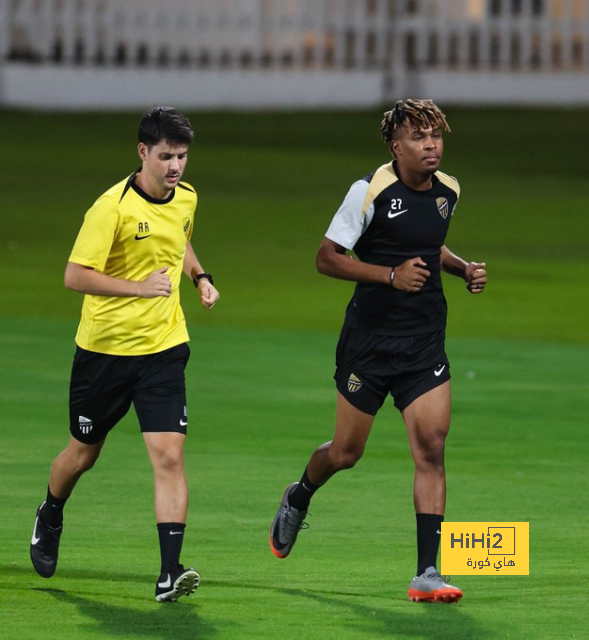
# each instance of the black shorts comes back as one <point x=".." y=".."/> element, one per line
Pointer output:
<point x="369" y="367"/>
<point x="103" y="387"/>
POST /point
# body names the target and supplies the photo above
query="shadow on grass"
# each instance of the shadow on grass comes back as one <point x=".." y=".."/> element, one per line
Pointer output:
<point x="421" y="621"/>
<point x="79" y="574"/>
<point x="356" y="613"/>
<point x="168" y="620"/>
<point x="395" y="618"/>
<point x="153" y="621"/>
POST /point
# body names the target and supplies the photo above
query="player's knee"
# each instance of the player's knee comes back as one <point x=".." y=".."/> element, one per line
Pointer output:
<point x="169" y="461"/>
<point x="431" y="454"/>
<point x="86" y="460"/>
<point x="345" y="458"/>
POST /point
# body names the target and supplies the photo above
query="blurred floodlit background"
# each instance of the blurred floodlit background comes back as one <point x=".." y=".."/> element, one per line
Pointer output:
<point x="73" y="54"/>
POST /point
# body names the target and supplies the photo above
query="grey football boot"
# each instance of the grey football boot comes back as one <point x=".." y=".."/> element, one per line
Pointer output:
<point x="286" y="525"/>
<point x="430" y="586"/>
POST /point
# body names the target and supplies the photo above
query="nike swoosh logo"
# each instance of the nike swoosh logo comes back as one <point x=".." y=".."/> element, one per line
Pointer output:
<point x="183" y="423"/>
<point x="175" y="533"/>
<point x="167" y="583"/>
<point x="438" y="372"/>
<point x="394" y="215"/>
<point x="35" y="539"/>
<point x="138" y="237"/>
<point x="439" y="532"/>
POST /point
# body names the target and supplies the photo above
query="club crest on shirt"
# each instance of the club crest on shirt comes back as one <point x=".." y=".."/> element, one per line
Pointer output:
<point x="354" y="383"/>
<point x="442" y="207"/>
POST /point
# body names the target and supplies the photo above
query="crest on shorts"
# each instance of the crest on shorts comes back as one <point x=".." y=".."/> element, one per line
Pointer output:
<point x="354" y="383"/>
<point x="85" y="424"/>
<point x="443" y="207"/>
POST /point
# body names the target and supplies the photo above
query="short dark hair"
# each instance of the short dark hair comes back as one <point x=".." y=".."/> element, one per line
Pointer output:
<point x="417" y="114"/>
<point x="164" y="123"/>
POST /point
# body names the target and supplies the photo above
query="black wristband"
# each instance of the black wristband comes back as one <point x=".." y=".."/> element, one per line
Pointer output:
<point x="199" y="276"/>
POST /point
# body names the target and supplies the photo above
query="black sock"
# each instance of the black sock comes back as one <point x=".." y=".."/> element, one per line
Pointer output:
<point x="302" y="493"/>
<point x="52" y="514"/>
<point x="428" y="540"/>
<point x="171" y="536"/>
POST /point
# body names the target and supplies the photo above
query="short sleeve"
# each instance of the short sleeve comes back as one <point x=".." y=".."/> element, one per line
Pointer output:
<point x="96" y="236"/>
<point x="349" y="223"/>
<point x="191" y="223"/>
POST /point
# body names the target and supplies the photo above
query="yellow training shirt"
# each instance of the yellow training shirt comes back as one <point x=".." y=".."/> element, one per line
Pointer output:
<point x="127" y="234"/>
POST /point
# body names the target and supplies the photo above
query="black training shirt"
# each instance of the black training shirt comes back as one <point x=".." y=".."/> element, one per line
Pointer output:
<point x="385" y="223"/>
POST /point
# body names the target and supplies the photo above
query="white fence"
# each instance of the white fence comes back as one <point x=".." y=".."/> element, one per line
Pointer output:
<point x="354" y="51"/>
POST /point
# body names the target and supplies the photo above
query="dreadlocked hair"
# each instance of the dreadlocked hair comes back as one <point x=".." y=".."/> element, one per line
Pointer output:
<point x="417" y="114"/>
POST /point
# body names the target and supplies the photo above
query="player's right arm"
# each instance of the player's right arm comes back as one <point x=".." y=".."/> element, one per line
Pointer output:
<point x="85" y="268"/>
<point x="332" y="260"/>
<point x="348" y="224"/>
<point x="89" y="281"/>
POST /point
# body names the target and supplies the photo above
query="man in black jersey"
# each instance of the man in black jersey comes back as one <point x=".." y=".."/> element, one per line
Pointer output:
<point x="395" y="220"/>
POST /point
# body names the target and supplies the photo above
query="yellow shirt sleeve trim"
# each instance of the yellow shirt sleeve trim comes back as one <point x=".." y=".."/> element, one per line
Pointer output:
<point x="449" y="181"/>
<point x="384" y="177"/>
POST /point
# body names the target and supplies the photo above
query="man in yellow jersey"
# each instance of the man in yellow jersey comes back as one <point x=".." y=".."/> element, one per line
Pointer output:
<point x="132" y="347"/>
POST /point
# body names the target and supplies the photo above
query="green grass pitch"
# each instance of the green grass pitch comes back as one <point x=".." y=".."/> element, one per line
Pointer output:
<point x="261" y="395"/>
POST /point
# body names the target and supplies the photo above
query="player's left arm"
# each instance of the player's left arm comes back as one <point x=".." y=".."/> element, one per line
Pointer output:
<point x="473" y="273"/>
<point x="192" y="267"/>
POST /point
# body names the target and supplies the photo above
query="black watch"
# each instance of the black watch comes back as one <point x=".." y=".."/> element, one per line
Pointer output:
<point x="198" y="277"/>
